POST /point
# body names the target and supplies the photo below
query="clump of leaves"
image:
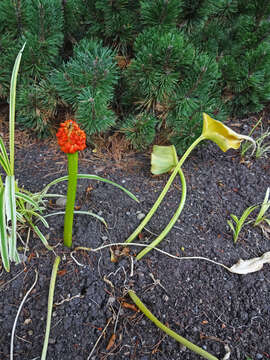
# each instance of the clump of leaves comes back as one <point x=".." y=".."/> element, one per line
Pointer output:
<point x="239" y="223"/>
<point x="262" y="147"/>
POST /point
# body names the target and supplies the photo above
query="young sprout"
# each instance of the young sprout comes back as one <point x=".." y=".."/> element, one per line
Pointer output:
<point x="264" y="207"/>
<point x="262" y="148"/>
<point x="239" y="223"/>
<point x="71" y="139"/>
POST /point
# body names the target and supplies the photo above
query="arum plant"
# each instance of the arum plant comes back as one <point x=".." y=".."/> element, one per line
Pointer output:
<point x="213" y="130"/>
<point x="71" y="140"/>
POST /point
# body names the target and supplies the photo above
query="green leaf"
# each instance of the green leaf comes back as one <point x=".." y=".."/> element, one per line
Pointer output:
<point x="82" y="213"/>
<point x="12" y="102"/>
<point x="91" y="177"/>
<point x="10" y="202"/>
<point x="4" y="160"/>
<point x="41" y="236"/>
<point x="27" y="199"/>
<point x="3" y="232"/>
<point x="264" y="207"/>
<point x="231" y="225"/>
<point x="163" y="159"/>
<point x="235" y="218"/>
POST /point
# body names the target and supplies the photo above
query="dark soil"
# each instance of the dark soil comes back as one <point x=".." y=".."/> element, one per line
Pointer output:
<point x="201" y="301"/>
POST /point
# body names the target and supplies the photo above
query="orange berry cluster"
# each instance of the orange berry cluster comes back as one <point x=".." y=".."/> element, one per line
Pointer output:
<point x="70" y="137"/>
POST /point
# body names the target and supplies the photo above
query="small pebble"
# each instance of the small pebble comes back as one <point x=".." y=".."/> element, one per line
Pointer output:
<point x="61" y="201"/>
<point x="259" y="356"/>
<point x="30" y="332"/>
<point x="140" y="216"/>
<point x="104" y="238"/>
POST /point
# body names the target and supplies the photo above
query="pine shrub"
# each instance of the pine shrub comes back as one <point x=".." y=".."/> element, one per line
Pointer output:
<point x="169" y="77"/>
<point x="86" y="82"/>
<point x="178" y="58"/>
<point x="140" y="129"/>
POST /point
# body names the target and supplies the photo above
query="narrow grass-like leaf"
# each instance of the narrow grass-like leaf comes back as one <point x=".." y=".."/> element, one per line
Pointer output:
<point x="50" y="307"/>
<point x="10" y="202"/>
<point x="231" y="225"/>
<point x="91" y="177"/>
<point x="41" y="236"/>
<point x="3" y="232"/>
<point x="239" y="223"/>
<point x="28" y="199"/>
<point x="100" y="218"/>
<point x="40" y="217"/>
<point x="4" y="160"/>
<point x="12" y="102"/>
<point x="264" y="207"/>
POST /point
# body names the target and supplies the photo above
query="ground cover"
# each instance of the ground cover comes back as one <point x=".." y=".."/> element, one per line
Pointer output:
<point x="201" y="301"/>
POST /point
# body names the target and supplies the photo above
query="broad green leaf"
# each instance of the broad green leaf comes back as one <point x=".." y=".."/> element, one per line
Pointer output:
<point x="3" y="232"/>
<point x="163" y="159"/>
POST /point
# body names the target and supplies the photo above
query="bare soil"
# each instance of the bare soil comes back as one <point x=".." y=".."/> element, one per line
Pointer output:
<point x="199" y="300"/>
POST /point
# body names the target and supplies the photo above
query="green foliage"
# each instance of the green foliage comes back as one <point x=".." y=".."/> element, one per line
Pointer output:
<point x="239" y="223"/>
<point x="140" y="129"/>
<point x="160" y="13"/>
<point x="168" y="75"/>
<point x="36" y="104"/>
<point x="115" y="22"/>
<point x="87" y="83"/>
<point x="183" y="57"/>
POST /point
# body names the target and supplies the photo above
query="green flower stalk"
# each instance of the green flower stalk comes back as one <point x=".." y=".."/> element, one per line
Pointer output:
<point x="71" y="140"/>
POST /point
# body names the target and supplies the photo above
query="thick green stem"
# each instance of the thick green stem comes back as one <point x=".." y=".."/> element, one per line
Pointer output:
<point x="50" y="307"/>
<point x="164" y="191"/>
<point x="172" y="221"/>
<point x="167" y="330"/>
<point x="71" y="196"/>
